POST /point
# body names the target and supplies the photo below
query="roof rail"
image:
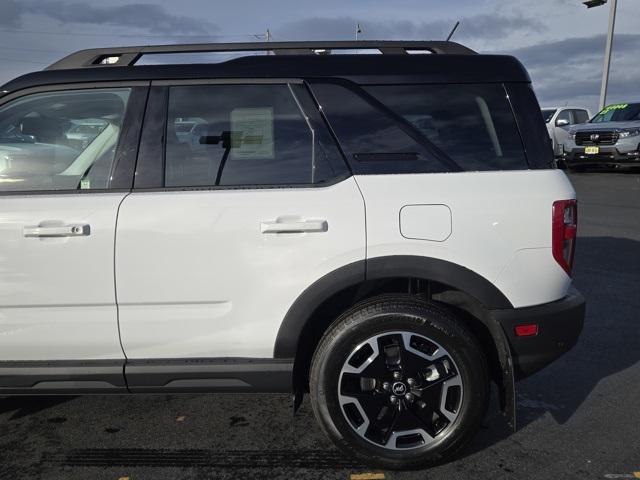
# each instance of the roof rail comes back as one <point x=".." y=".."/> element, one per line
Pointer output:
<point x="128" y="56"/>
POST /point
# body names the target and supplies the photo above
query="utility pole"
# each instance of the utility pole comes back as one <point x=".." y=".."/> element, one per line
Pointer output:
<point x="609" y="47"/>
<point x="358" y="30"/>
<point x="607" y="53"/>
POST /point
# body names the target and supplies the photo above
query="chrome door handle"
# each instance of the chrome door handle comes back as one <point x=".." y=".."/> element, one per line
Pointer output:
<point x="74" y="230"/>
<point x="296" y="226"/>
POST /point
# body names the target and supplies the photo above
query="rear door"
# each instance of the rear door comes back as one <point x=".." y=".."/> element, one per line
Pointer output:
<point x="252" y="204"/>
<point x="66" y="163"/>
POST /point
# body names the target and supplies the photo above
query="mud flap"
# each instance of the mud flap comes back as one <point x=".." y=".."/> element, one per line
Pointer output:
<point x="298" y="397"/>
<point x="507" y="386"/>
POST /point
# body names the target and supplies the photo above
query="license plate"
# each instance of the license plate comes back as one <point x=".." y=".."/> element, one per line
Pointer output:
<point x="592" y="150"/>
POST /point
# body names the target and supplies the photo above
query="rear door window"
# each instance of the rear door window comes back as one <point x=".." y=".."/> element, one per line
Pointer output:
<point x="242" y="135"/>
<point x="473" y="124"/>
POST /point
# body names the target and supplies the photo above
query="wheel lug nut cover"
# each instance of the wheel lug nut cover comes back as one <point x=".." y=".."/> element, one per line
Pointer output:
<point x="386" y="386"/>
<point x="397" y="375"/>
<point x="393" y="399"/>
<point x="409" y="397"/>
<point x="411" y="382"/>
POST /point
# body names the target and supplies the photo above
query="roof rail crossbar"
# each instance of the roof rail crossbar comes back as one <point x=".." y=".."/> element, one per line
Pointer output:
<point x="128" y="56"/>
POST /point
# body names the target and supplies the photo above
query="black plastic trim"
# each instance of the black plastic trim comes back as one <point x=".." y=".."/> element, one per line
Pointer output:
<point x="74" y="377"/>
<point x="559" y="326"/>
<point x="461" y="278"/>
<point x="210" y="375"/>
<point x="149" y="170"/>
<point x="441" y="271"/>
<point x="62" y="377"/>
<point x="124" y="163"/>
<point x="290" y="330"/>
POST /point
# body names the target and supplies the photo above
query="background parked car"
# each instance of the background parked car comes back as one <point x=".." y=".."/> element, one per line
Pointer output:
<point x="611" y="139"/>
<point x="559" y="119"/>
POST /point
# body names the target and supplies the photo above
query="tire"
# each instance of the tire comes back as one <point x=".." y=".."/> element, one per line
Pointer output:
<point x="561" y="164"/>
<point x="406" y="331"/>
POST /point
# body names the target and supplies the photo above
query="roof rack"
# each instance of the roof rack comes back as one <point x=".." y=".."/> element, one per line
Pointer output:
<point x="128" y="56"/>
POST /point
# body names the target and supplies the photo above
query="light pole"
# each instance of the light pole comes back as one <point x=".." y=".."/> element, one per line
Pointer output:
<point x="609" y="46"/>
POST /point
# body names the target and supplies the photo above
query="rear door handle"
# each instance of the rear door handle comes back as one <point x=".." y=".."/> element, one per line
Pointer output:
<point x="295" y="226"/>
<point x="73" y="230"/>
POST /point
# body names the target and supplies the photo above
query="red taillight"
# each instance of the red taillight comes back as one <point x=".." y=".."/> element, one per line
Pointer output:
<point x="564" y="230"/>
<point x="527" y="330"/>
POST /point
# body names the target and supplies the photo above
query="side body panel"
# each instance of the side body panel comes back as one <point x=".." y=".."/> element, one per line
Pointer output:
<point x="203" y="275"/>
<point x="500" y="225"/>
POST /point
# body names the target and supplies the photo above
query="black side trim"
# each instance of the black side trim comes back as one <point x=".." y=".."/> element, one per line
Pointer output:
<point x="559" y="326"/>
<point x="127" y="151"/>
<point x="209" y="375"/>
<point x="302" y="309"/>
<point x="149" y="170"/>
<point x="448" y="273"/>
<point x="441" y="271"/>
<point x="146" y="376"/>
<point x="62" y="377"/>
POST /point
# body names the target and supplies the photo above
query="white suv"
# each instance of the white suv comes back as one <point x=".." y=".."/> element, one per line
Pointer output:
<point x="559" y="120"/>
<point x="386" y="232"/>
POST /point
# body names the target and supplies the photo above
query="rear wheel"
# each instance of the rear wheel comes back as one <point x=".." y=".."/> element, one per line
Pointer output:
<point x="399" y="383"/>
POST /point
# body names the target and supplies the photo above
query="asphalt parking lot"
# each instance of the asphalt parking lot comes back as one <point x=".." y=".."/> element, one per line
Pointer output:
<point x="578" y="418"/>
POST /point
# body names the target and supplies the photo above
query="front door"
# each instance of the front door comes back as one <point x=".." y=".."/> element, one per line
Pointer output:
<point x="58" y="156"/>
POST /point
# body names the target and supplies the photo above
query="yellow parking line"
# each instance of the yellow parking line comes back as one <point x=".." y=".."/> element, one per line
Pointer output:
<point x="367" y="476"/>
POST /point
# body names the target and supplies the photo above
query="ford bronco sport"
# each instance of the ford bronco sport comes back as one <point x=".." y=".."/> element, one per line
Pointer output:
<point x="386" y="232"/>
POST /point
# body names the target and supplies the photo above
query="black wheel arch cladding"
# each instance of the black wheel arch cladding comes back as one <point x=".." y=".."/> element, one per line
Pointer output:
<point x="479" y="297"/>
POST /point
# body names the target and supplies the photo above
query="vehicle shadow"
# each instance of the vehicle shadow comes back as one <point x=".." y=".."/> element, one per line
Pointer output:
<point x="23" y="406"/>
<point x="607" y="273"/>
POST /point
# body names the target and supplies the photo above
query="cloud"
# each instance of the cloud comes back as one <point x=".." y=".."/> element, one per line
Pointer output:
<point x="575" y="49"/>
<point x="153" y="18"/>
<point x="485" y="27"/>
<point x="571" y="69"/>
<point x="10" y="13"/>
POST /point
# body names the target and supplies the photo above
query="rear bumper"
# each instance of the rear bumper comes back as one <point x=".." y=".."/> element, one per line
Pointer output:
<point x="608" y="156"/>
<point x="559" y="326"/>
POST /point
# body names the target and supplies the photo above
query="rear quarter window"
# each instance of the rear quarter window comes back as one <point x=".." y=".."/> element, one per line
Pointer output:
<point x="473" y="124"/>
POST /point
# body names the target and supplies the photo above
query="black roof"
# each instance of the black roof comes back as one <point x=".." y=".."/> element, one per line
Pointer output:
<point x="360" y="68"/>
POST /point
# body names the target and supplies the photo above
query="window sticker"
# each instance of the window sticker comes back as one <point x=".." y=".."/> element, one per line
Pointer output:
<point x="252" y="133"/>
<point x="85" y="184"/>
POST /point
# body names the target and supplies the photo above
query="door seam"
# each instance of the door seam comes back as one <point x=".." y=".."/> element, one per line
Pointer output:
<point x="115" y="290"/>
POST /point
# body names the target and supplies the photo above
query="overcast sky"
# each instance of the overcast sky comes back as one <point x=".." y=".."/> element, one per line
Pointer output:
<point x="559" y="41"/>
